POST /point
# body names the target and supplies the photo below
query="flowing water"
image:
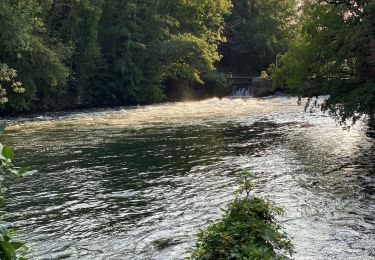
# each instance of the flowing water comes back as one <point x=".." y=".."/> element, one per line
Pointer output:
<point x="137" y="183"/>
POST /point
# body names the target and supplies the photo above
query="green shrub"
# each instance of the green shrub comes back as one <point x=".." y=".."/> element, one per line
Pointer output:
<point x="247" y="230"/>
<point x="8" y="247"/>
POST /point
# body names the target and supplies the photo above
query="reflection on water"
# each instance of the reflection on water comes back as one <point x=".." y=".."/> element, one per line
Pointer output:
<point x="137" y="183"/>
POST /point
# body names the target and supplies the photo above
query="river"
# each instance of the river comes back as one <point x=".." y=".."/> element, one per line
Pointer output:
<point x="137" y="183"/>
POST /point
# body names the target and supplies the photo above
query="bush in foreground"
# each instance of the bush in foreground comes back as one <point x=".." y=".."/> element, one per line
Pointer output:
<point x="247" y="230"/>
<point x="8" y="247"/>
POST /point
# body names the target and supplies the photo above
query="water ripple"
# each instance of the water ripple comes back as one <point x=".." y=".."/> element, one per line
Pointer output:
<point x="137" y="183"/>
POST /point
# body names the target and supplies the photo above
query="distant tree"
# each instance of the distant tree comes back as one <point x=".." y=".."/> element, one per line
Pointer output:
<point x="257" y="31"/>
<point x="24" y="48"/>
<point x="192" y="43"/>
<point x="74" y="24"/>
<point x="145" y="43"/>
<point x="128" y="30"/>
<point x="106" y="52"/>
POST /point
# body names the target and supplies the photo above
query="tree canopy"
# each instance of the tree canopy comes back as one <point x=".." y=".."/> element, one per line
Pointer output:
<point x="257" y="31"/>
<point x="69" y="52"/>
<point x="66" y="53"/>
<point x="25" y="49"/>
<point x="331" y="55"/>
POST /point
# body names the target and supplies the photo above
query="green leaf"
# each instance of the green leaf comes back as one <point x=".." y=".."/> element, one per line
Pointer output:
<point x="23" y="170"/>
<point x="7" y="152"/>
<point x="17" y="245"/>
<point x="8" y="249"/>
<point x="12" y="232"/>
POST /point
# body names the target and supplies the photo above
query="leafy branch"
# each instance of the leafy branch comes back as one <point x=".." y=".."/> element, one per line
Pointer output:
<point x="8" y="247"/>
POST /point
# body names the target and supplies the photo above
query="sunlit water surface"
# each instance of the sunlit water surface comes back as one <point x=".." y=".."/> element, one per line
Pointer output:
<point x="138" y="183"/>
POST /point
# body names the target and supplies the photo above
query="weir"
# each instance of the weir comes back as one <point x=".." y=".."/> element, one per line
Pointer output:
<point x="250" y="86"/>
<point x="241" y="86"/>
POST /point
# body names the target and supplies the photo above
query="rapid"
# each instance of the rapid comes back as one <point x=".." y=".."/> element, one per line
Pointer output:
<point x="137" y="183"/>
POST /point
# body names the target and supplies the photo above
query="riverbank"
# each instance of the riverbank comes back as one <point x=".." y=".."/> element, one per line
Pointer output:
<point x="220" y="86"/>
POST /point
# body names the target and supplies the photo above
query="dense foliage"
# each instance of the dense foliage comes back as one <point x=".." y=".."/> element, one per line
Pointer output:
<point x="8" y="83"/>
<point x="94" y="52"/>
<point x="26" y="49"/>
<point x="58" y="54"/>
<point x="331" y="55"/>
<point x="248" y="230"/>
<point x="257" y="31"/>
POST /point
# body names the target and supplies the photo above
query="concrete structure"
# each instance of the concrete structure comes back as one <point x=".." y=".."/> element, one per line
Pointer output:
<point x="250" y="86"/>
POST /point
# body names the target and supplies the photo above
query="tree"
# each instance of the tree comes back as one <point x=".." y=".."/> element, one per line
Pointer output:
<point x="106" y="52"/>
<point x="128" y="30"/>
<point x="145" y="43"/>
<point x="330" y="55"/>
<point x="25" y="49"/>
<point x="192" y="44"/>
<point x="258" y="30"/>
<point x="74" y="24"/>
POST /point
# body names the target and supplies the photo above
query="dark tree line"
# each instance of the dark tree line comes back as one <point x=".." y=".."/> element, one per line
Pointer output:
<point x="257" y="31"/>
<point x="56" y="54"/>
<point x="64" y="53"/>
